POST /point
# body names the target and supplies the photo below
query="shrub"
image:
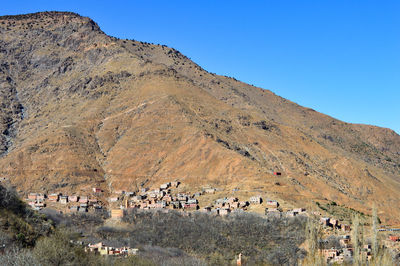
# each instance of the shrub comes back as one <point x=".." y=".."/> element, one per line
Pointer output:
<point x="214" y="237"/>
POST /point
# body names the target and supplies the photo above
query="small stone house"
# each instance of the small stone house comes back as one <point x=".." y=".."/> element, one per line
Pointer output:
<point x="113" y="199"/>
<point x="256" y="200"/>
<point x="334" y="223"/>
<point x="232" y="200"/>
<point x="63" y="199"/>
<point x="330" y="253"/>
<point x="299" y="210"/>
<point x="92" y="200"/>
<point x="165" y="186"/>
<point x="210" y="190"/>
<point x="345" y="227"/>
<point x="197" y="194"/>
<point x="324" y="221"/>
<point x="117" y="213"/>
<point x="344" y="242"/>
<point x="83" y="199"/>
<point x="73" y="198"/>
<point x="32" y="196"/>
<point x="243" y="204"/>
<point x="182" y="197"/>
<point x="224" y="212"/>
<point x="137" y="198"/>
<point x="192" y="201"/>
<point x="272" y="203"/>
<point x="41" y="197"/>
<point x="235" y="205"/>
<point x="53" y="197"/>
<point x="176" y="204"/>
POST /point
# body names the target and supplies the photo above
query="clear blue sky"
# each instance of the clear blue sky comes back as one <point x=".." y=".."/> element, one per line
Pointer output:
<point x="341" y="58"/>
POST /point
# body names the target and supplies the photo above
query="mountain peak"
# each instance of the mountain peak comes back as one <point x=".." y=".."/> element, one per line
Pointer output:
<point x="46" y="19"/>
<point x="82" y="109"/>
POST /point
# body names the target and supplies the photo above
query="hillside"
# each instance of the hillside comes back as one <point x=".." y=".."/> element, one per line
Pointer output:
<point x="83" y="109"/>
<point x="19" y="225"/>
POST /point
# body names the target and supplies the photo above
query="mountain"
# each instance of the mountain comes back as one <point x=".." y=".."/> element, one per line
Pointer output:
<point x="81" y="109"/>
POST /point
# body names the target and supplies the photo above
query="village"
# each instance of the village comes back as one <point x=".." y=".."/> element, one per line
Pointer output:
<point x="156" y="198"/>
<point x="165" y="197"/>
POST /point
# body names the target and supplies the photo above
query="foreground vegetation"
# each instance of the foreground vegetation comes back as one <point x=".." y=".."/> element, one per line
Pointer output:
<point x="217" y="239"/>
<point x="172" y="238"/>
<point x="163" y="238"/>
<point x="360" y="236"/>
<point x="18" y="223"/>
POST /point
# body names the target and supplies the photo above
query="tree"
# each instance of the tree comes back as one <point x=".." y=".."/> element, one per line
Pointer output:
<point x="313" y="236"/>
<point x="355" y="236"/>
<point x="57" y="250"/>
<point x="374" y="233"/>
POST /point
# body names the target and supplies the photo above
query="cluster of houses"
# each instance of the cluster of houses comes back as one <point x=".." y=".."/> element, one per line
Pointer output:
<point x="335" y="224"/>
<point x="105" y="250"/>
<point x="164" y="198"/>
<point x="159" y="198"/>
<point x="225" y="206"/>
<point x="345" y="252"/>
<point x="273" y="211"/>
<point x="75" y="203"/>
<point x="277" y="213"/>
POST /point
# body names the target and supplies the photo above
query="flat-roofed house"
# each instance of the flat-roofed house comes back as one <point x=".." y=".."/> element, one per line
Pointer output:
<point x="224" y="211"/>
<point x="63" y="199"/>
<point x="117" y="213"/>
<point x="272" y="203"/>
<point x="113" y="199"/>
<point x="256" y="200"/>
<point x="165" y="186"/>
<point x="53" y="197"/>
<point x="73" y="198"/>
<point x="83" y="199"/>
<point x="32" y="196"/>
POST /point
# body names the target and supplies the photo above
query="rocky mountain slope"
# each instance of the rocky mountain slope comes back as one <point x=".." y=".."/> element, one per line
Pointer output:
<point x="80" y="108"/>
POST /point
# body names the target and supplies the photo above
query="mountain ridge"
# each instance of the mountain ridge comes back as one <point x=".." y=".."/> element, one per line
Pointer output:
<point x="83" y="108"/>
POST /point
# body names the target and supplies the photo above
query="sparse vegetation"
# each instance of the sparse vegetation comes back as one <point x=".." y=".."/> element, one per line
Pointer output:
<point x="19" y="224"/>
<point x="215" y="238"/>
<point x="343" y="213"/>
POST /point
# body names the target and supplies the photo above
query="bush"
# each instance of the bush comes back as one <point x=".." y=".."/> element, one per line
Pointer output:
<point x="9" y="200"/>
<point x="58" y="250"/>
<point x="20" y="223"/>
<point x="257" y="238"/>
<point x="18" y="257"/>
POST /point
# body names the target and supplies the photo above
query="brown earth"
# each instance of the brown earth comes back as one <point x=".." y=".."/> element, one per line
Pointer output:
<point x="82" y="109"/>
